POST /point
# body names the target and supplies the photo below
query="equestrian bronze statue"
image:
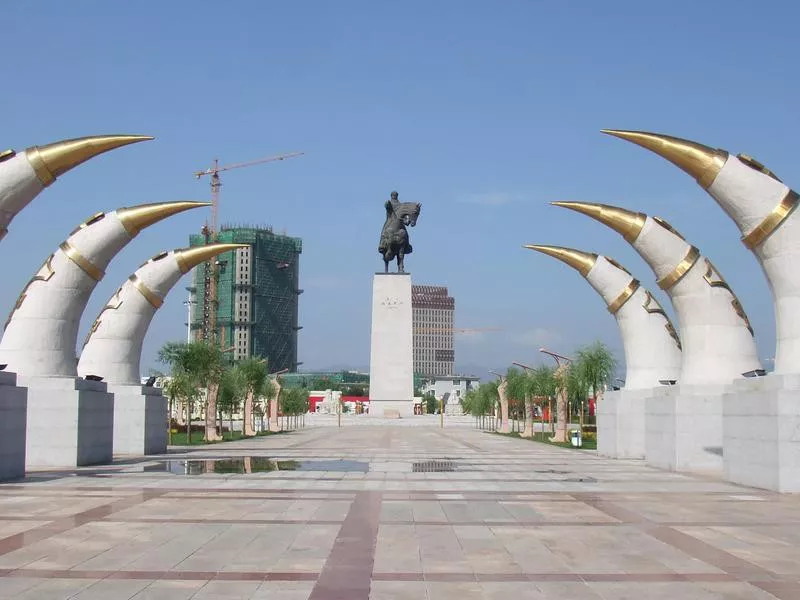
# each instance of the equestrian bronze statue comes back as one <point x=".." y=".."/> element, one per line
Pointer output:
<point x="394" y="236"/>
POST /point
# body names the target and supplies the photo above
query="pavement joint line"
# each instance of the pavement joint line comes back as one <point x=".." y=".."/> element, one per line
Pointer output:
<point x="62" y="524"/>
<point x="347" y="573"/>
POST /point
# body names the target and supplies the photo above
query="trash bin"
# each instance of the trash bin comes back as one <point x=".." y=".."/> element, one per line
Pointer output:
<point x="575" y="438"/>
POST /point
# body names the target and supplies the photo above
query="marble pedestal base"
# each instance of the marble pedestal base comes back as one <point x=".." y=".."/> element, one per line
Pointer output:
<point x="761" y="432"/>
<point x="391" y="364"/>
<point x="621" y="423"/>
<point x="70" y="422"/>
<point x="13" y="416"/>
<point x="140" y="420"/>
<point x="683" y="425"/>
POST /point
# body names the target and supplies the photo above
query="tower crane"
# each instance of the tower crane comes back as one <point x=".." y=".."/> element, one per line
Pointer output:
<point x="208" y="331"/>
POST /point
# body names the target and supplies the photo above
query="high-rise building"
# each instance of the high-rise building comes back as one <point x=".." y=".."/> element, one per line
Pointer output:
<point x="257" y="295"/>
<point x="433" y="315"/>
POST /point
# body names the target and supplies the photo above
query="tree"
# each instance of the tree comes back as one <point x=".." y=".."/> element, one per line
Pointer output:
<point x="268" y="392"/>
<point x="204" y="364"/>
<point x="294" y="401"/>
<point x="254" y="371"/>
<point x="595" y="365"/>
<point x="481" y="400"/>
<point x="521" y="387"/>
<point x="502" y="397"/>
<point x="430" y="402"/>
<point x="181" y="389"/>
<point x="543" y="383"/>
<point x="232" y="389"/>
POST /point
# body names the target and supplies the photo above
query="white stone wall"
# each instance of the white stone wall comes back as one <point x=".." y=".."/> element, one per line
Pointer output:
<point x="140" y="420"/>
<point x="391" y="348"/>
<point x="621" y="423"/>
<point x="13" y="419"/>
<point x="683" y="427"/>
<point x="761" y="432"/>
<point x="70" y="422"/>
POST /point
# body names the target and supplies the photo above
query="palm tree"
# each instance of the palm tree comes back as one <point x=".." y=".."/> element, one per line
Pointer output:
<point x="543" y="383"/>
<point x="255" y="373"/>
<point x="502" y="397"/>
<point x="521" y="387"/>
<point x="596" y="366"/>
<point x="232" y="389"/>
<point x="566" y="383"/>
<point x="181" y="389"/>
<point x="204" y="364"/>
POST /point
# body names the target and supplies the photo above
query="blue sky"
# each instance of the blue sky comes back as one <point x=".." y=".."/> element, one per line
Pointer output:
<point x="483" y="111"/>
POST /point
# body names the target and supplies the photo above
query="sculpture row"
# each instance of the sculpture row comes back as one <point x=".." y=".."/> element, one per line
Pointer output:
<point x="697" y="400"/>
<point x="67" y="415"/>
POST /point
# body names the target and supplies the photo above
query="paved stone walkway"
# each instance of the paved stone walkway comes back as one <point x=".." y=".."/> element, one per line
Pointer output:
<point x="440" y="514"/>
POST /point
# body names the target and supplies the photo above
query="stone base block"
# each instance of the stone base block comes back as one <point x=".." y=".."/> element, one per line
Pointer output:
<point x="140" y="420"/>
<point x="761" y="432"/>
<point x="683" y="426"/>
<point x="70" y="422"/>
<point x="391" y="363"/>
<point x="389" y="409"/>
<point x="13" y="416"/>
<point x="621" y="423"/>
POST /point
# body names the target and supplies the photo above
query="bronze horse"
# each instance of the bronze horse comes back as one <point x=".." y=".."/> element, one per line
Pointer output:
<point x="394" y="236"/>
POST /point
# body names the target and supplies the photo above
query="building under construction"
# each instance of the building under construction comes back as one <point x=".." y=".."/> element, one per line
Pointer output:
<point x="257" y="295"/>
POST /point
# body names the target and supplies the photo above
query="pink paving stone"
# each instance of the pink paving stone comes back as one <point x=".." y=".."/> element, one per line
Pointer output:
<point x="513" y="518"/>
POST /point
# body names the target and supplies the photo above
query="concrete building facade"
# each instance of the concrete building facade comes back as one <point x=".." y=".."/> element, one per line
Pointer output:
<point x="257" y="295"/>
<point x="433" y="316"/>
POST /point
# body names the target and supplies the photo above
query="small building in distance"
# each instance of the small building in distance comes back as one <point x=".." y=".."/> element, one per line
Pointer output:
<point x="451" y="388"/>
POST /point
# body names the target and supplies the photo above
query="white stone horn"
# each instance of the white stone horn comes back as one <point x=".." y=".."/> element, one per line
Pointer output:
<point x="23" y="176"/>
<point x="650" y="342"/>
<point x="763" y="209"/>
<point x="42" y="330"/>
<point x="717" y="339"/>
<point x="113" y="348"/>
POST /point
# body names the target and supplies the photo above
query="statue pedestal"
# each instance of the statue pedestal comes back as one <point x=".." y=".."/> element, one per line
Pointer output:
<point x="391" y="364"/>
<point x="683" y="425"/>
<point x="621" y="423"/>
<point x="13" y="416"/>
<point x="140" y="420"/>
<point x="761" y="427"/>
<point x="70" y="422"/>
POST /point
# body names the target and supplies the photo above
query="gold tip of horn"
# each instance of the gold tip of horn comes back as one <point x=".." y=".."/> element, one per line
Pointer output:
<point x="580" y="261"/>
<point x="624" y="221"/>
<point x="189" y="258"/>
<point x="701" y="162"/>
<point x="53" y="160"/>
<point x="136" y="218"/>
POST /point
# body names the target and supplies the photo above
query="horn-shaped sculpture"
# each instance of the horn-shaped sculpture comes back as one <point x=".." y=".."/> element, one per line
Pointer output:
<point x="650" y="342"/>
<point x="23" y="176"/>
<point x="763" y="209"/>
<point x="113" y="348"/>
<point x="42" y="330"/>
<point x="716" y="336"/>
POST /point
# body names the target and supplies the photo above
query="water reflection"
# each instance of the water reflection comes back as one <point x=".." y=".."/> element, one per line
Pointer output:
<point x="252" y="464"/>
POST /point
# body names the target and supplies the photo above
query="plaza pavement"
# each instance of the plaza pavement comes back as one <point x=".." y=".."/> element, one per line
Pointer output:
<point x="440" y="514"/>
